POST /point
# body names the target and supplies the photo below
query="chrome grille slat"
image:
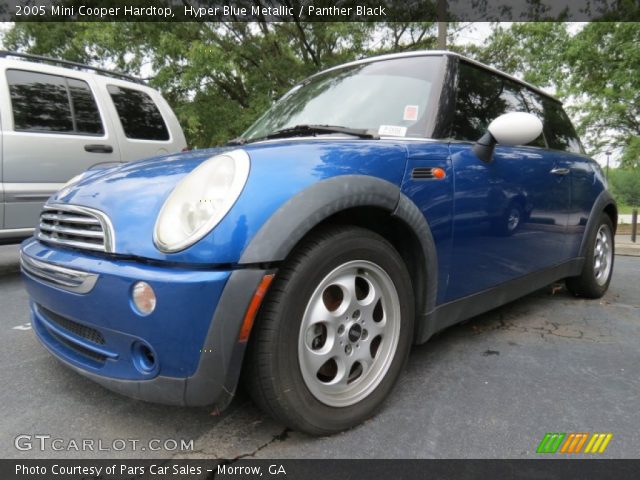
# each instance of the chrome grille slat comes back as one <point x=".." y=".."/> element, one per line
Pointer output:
<point x="71" y="243"/>
<point x="72" y="231"/>
<point x="69" y="219"/>
<point x="75" y="226"/>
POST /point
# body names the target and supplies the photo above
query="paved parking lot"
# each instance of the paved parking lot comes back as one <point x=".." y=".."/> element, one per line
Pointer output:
<point x="491" y="387"/>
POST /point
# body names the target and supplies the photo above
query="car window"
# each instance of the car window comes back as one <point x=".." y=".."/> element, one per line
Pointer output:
<point x="139" y="115"/>
<point x="558" y="129"/>
<point x="50" y="103"/>
<point x="384" y="96"/>
<point x="482" y="97"/>
<point x="40" y="102"/>
<point x="535" y="106"/>
<point x="85" y="109"/>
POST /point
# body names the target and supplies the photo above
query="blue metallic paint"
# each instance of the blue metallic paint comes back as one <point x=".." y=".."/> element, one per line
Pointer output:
<point x="175" y="330"/>
<point x="464" y="212"/>
<point x="483" y="255"/>
<point x="133" y="194"/>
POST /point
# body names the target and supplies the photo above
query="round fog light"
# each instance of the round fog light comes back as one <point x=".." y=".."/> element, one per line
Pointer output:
<point x="144" y="298"/>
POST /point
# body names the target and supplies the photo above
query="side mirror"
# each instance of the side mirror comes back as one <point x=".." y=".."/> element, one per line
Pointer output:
<point x="513" y="128"/>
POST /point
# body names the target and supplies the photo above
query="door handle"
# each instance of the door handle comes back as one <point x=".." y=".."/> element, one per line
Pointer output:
<point x="560" y="171"/>
<point x="97" y="148"/>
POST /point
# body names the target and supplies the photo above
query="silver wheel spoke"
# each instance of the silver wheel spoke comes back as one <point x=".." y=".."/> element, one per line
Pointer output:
<point x="317" y="360"/>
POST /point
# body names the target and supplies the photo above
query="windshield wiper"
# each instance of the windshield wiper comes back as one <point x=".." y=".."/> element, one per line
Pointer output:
<point x="299" y="130"/>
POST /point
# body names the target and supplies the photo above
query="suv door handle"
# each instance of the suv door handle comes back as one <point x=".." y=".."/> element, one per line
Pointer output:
<point x="560" y="171"/>
<point x="97" y="148"/>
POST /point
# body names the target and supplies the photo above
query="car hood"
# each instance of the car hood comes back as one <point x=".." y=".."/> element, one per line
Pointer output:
<point x="132" y="194"/>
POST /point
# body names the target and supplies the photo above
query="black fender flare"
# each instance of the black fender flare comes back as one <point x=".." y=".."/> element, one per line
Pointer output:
<point x="307" y="209"/>
<point x="602" y="202"/>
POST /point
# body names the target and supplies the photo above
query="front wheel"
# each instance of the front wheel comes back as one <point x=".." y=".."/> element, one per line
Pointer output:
<point x="594" y="280"/>
<point x="334" y="332"/>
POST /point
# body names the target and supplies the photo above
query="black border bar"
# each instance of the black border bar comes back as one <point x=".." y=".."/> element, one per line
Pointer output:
<point x="318" y="10"/>
<point x="535" y="469"/>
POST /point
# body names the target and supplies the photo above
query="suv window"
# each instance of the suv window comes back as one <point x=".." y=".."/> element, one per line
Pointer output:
<point x="482" y="97"/>
<point x="85" y="110"/>
<point x="139" y="115"/>
<point x="50" y="103"/>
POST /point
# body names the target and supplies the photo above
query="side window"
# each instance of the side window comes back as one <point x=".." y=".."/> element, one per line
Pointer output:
<point x="139" y="115"/>
<point x="558" y="129"/>
<point x="535" y="106"/>
<point x="49" y="103"/>
<point x="85" y="110"/>
<point x="40" y="102"/>
<point x="482" y="97"/>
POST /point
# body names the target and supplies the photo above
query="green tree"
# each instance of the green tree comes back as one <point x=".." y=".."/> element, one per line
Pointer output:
<point x="625" y="184"/>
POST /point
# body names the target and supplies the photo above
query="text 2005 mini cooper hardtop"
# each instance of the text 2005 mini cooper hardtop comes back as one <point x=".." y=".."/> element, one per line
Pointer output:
<point x="373" y="205"/>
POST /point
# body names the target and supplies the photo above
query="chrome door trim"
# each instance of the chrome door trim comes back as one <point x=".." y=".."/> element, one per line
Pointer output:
<point x="30" y="192"/>
<point x="16" y="232"/>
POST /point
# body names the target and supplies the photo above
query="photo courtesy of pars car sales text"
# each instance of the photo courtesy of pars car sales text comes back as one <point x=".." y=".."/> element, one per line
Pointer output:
<point x="151" y="470"/>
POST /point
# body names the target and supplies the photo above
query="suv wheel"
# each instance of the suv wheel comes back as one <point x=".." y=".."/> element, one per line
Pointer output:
<point x="334" y="332"/>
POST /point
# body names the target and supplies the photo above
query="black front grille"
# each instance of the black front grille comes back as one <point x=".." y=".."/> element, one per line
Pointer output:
<point x="82" y="331"/>
<point x="79" y="348"/>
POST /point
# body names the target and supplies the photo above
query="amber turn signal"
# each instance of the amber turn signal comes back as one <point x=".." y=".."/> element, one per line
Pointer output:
<point x="439" y="173"/>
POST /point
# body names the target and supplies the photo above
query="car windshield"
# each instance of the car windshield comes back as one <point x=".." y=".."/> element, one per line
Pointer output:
<point x="389" y="98"/>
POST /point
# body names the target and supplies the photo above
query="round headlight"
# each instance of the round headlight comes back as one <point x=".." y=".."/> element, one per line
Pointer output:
<point x="201" y="200"/>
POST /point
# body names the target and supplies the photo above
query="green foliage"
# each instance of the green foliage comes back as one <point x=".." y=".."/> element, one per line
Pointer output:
<point x="625" y="184"/>
<point x="218" y="77"/>
<point x="532" y="51"/>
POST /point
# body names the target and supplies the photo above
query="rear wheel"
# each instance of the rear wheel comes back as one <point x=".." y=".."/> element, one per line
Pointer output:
<point x="594" y="280"/>
<point x="334" y="332"/>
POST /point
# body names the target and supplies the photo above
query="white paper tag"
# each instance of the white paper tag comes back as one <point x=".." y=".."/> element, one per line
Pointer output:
<point x="393" y="130"/>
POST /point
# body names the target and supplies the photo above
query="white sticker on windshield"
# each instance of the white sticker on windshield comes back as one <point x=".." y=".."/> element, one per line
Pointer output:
<point x="393" y="130"/>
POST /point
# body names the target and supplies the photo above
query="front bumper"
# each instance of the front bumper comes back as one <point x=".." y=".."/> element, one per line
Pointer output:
<point x="192" y="334"/>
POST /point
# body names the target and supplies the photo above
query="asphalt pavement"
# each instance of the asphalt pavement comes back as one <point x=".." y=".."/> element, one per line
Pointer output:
<point x="491" y="387"/>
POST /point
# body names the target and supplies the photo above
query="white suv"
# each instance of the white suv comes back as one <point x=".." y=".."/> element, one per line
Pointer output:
<point x="58" y="122"/>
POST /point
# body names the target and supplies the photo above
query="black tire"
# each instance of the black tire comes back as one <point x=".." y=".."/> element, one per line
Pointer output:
<point x="586" y="284"/>
<point x="272" y="372"/>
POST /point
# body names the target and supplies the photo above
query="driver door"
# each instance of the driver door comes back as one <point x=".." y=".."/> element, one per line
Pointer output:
<point x="509" y="215"/>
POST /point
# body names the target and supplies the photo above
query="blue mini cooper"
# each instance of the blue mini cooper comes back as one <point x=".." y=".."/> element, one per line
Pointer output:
<point x="375" y="204"/>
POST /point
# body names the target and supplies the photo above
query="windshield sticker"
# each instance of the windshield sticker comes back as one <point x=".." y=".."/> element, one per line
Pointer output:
<point x="410" y="113"/>
<point x="393" y="130"/>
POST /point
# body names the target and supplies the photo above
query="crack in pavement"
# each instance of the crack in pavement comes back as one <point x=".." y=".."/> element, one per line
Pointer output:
<point x="280" y="437"/>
